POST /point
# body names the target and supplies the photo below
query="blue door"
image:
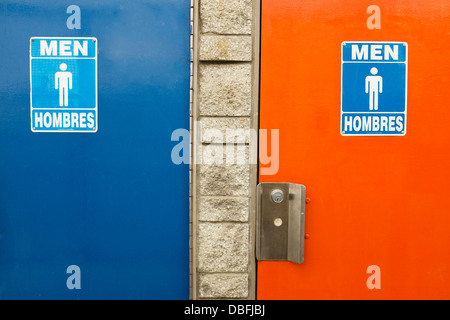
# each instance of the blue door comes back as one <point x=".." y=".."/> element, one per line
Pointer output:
<point x="100" y="213"/>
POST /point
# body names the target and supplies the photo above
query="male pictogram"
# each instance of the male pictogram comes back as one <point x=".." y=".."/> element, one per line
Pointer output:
<point x="374" y="86"/>
<point x="63" y="83"/>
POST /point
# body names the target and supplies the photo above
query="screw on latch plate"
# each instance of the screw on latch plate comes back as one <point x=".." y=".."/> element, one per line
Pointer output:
<point x="277" y="196"/>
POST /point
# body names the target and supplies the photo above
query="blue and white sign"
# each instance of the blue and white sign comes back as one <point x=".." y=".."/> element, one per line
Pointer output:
<point x="63" y="74"/>
<point x="374" y="88"/>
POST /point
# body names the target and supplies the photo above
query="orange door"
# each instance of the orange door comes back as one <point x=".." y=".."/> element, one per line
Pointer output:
<point x="378" y="223"/>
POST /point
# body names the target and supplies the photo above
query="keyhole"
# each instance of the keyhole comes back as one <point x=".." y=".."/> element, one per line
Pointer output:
<point x="277" y="196"/>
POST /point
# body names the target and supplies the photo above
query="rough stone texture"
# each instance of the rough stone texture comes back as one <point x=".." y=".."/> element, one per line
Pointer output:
<point x="214" y="130"/>
<point x="223" y="286"/>
<point x="225" y="149"/>
<point x="223" y="247"/>
<point x="226" y="16"/>
<point x="230" y="176"/>
<point x="223" y="209"/>
<point x="225" y="89"/>
<point x="226" y="180"/>
<point x="225" y="48"/>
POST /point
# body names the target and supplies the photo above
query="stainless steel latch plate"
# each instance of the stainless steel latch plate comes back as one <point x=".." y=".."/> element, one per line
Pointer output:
<point x="280" y="228"/>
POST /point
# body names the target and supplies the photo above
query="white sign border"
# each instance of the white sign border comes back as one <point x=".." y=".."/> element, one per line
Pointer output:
<point x="343" y="43"/>
<point x="95" y="40"/>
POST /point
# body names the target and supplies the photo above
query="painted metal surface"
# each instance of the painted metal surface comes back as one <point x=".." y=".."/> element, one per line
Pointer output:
<point x="110" y="202"/>
<point x="379" y="205"/>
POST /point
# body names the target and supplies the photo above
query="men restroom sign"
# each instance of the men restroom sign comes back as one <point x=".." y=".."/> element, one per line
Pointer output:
<point x="373" y="88"/>
<point x="63" y="74"/>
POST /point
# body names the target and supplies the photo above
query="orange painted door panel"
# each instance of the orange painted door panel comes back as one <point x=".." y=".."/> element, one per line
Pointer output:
<point x="375" y="201"/>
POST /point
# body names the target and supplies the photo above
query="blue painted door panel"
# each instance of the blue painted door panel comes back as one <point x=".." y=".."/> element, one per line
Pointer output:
<point x="110" y="202"/>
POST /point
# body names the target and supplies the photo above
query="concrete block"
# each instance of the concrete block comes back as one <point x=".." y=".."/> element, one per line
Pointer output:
<point x="223" y="247"/>
<point x="226" y="16"/>
<point x="224" y="209"/>
<point x="230" y="286"/>
<point x="225" y="48"/>
<point x="225" y="89"/>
